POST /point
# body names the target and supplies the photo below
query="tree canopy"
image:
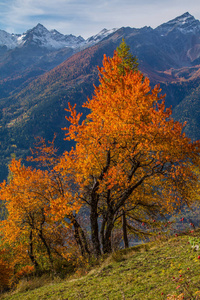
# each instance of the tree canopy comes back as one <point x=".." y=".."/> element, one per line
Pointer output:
<point x="129" y="151"/>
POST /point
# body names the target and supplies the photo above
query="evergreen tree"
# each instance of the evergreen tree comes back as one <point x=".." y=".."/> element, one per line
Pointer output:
<point x="129" y="62"/>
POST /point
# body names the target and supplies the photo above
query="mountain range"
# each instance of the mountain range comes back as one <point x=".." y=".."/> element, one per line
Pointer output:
<point x="41" y="70"/>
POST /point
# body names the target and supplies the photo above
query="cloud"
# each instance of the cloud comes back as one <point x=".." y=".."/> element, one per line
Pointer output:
<point x="87" y="17"/>
<point x="65" y="13"/>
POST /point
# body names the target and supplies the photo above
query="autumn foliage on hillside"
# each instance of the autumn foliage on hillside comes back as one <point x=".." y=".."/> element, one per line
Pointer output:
<point x="131" y="157"/>
<point x="131" y="164"/>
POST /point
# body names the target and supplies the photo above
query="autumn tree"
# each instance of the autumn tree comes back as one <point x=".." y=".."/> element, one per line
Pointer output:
<point x="129" y="153"/>
<point x="33" y="227"/>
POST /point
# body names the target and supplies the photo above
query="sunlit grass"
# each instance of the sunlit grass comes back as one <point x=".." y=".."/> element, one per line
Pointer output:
<point x="156" y="270"/>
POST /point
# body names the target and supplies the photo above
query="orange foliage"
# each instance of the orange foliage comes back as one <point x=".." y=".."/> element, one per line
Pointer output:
<point x="129" y="151"/>
<point x="36" y="209"/>
<point x="128" y="120"/>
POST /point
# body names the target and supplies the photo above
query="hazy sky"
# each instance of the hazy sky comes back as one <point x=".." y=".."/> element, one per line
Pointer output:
<point x="88" y="17"/>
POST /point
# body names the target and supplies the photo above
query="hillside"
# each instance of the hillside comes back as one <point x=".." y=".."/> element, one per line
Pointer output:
<point x="156" y="270"/>
<point x="189" y="110"/>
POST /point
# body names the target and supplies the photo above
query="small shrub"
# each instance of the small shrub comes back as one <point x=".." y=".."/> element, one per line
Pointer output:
<point x="25" y="271"/>
<point x="64" y="268"/>
<point x="5" y="275"/>
<point x="117" y="256"/>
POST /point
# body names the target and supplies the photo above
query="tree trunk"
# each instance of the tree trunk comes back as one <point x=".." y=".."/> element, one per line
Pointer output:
<point x="95" y="229"/>
<point x="30" y="252"/>
<point x="77" y="237"/>
<point x="124" y="228"/>
<point x="80" y="237"/>
<point x="40" y="234"/>
<point x="102" y="230"/>
<point x="86" y="249"/>
<point x="107" y="245"/>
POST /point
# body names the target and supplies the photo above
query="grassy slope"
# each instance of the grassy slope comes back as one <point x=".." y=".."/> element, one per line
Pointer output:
<point x="142" y="272"/>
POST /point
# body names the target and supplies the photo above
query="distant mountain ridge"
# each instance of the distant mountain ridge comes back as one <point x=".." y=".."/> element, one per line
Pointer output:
<point x="52" y="39"/>
<point x="37" y="78"/>
<point x="185" y="23"/>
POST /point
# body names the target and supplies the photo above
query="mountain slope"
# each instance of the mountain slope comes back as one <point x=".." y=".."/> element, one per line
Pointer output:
<point x="38" y="110"/>
<point x="33" y="98"/>
<point x="25" y="57"/>
<point x="188" y="111"/>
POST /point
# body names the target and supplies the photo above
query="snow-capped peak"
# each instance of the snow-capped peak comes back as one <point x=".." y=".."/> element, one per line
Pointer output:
<point x="100" y="36"/>
<point x="184" y="23"/>
<point x="183" y="19"/>
<point x="7" y="39"/>
<point x="39" y="28"/>
<point x="53" y="39"/>
<point x="41" y="37"/>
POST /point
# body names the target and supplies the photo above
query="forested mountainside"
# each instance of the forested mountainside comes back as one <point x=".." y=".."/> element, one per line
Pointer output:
<point x="38" y="80"/>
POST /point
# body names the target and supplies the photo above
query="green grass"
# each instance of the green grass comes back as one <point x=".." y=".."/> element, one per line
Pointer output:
<point x="142" y="272"/>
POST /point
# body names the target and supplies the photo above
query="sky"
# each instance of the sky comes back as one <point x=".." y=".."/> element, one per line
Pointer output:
<point x="88" y="17"/>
